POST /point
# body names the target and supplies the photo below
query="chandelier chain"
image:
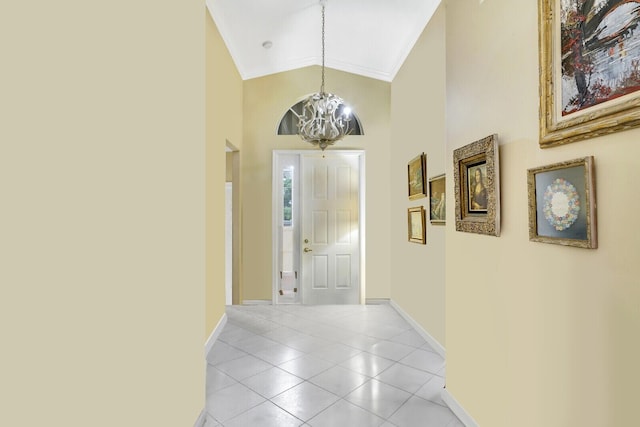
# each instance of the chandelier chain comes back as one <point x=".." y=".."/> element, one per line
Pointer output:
<point x="325" y="118"/>
<point x="322" y="85"/>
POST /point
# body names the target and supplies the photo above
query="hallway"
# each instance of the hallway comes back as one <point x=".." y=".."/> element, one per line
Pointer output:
<point x="292" y="365"/>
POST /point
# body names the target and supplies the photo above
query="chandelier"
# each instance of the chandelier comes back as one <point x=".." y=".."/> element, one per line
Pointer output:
<point x="325" y="118"/>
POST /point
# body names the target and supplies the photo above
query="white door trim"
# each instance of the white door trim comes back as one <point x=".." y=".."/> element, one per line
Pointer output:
<point x="228" y="244"/>
<point x="274" y="225"/>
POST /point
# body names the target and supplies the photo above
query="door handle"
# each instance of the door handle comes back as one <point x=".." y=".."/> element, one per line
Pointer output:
<point x="308" y="250"/>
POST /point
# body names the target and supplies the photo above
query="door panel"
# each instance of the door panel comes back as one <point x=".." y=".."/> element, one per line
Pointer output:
<point x="343" y="227"/>
<point x="343" y="271"/>
<point x="330" y="227"/>
<point x="320" y="231"/>
<point x="320" y="271"/>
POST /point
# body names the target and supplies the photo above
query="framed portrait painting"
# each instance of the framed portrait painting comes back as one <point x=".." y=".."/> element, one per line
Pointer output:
<point x="416" y="173"/>
<point x="562" y="204"/>
<point x="476" y="173"/>
<point x="416" y="224"/>
<point x="437" y="200"/>
<point x="589" y="54"/>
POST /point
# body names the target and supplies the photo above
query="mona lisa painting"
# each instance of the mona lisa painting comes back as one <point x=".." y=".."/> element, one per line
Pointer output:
<point x="476" y="173"/>
<point x="477" y="188"/>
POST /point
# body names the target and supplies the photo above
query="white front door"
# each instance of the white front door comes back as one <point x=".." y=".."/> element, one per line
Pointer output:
<point x="330" y="228"/>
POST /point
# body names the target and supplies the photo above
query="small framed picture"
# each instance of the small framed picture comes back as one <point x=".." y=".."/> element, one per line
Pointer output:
<point x="476" y="173"/>
<point x="437" y="199"/>
<point x="417" y="171"/>
<point x="562" y="203"/>
<point x="416" y="223"/>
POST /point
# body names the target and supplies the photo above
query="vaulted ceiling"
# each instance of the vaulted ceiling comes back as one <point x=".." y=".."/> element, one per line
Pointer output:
<point x="371" y="38"/>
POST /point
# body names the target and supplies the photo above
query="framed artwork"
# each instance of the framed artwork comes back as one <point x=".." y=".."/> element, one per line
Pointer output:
<point x="589" y="54"/>
<point x="416" y="223"/>
<point x="476" y="173"/>
<point x="417" y="171"/>
<point x="562" y="203"/>
<point x="437" y="199"/>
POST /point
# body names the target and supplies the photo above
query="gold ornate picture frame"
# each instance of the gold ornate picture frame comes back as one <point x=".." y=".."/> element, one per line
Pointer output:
<point x="476" y="174"/>
<point x="417" y="225"/>
<point x="589" y="55"/>
<point x="416" y="177"/>
<point x="437" y="200"/>
<point x="562" y="203"/>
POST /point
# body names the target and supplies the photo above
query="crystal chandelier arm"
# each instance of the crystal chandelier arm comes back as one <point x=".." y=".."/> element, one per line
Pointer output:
<point x="298" y="116"/>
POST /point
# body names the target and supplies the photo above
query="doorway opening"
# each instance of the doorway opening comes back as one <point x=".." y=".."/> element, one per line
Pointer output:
<point x="228" y="240"/>
<point x="232" y="229"/>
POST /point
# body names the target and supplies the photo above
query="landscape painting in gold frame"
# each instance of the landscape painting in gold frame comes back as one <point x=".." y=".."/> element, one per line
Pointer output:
<point x="416" y="173"/>
<point x="476" y="175"/>
<point x="589" y="55"/>
<point x="437" y="200"/>
<point x="562" y="203"/>
<point x="416" y="224"/>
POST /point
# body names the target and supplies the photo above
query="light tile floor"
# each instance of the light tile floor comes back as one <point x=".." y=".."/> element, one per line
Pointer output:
<point x="293" y="365"/>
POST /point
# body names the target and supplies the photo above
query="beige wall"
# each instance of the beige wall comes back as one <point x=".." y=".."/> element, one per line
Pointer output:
<point x="102" y="185"/>
<point x="224" y="123"/>
<point x="266" y="100"/>
<point x="537" y="334"/>
<point x="229" y="167"/>
<point x="418" y="125"/>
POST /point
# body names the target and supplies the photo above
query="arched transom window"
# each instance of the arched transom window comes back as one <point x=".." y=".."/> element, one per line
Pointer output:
<point x="289" y="122"/>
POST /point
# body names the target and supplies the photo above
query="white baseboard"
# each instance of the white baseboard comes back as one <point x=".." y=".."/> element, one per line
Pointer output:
<point x="427" y="337"/>
<point x="202" y="418"/>
<point x="257" y="302"/>
<point x="214" y="335"/>
<point x="457" y="409"/>
<point x="376" y="301"/>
